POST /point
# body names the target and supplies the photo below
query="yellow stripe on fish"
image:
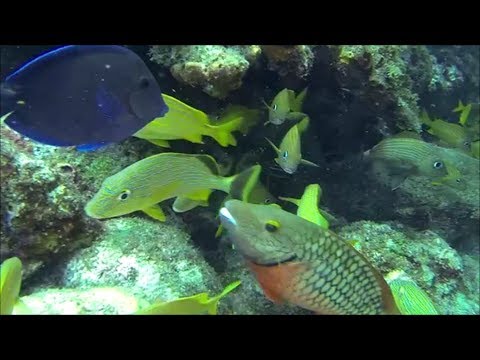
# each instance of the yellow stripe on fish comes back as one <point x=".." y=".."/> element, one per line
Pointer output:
<point x="299" y="262"/>
<point x="144" y="184"/>
<point x="286" y="106"/>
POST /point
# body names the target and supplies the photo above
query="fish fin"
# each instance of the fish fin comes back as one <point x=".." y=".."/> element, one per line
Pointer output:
<point x="431" y="131"/>
<point x="90" y="147"/>
<point x="158" y="142"/>
<point x="199" y="195"/>
<point x="303" y="125"/>
<point x="309" y="163"/>
<point x="243" y="183"/>
<point x="213" y="303"/>
<point x="464" y="115"/>
<point x="21" y="308"/>
<point x="408" y="135"/>
<point x="155" y="212"/>
<point x="183" y="204"/>
<point x="459" y="107"/>
<point x="425" y="118"/>
<point x="219" y="231"/>
<point x="222" y="136"/>
<point x="277" y="150"/>
<point x="295" y="115"/>
<point x="4" y="117"/>
<point x="396" y="180"/>
<point x="298" y="102"/>
<point x="266" y="105"/>
<point x="292" y="200"/>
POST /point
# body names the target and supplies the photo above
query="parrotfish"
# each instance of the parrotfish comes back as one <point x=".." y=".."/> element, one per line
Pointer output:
<point x="289" y="155"/>
<point x="450" y="134"/>
<point x="286" y="106"/>
<point x="144" y="184"/>
<point x="193" y="305"/>
<point x="409" y="297"/>
<point x="11" y="280"/>
<point x="308" y="205"/>
<point x="297" y="261"/>
<point x="82" y="95"/>
<point x="185" y="122"/>
<point x="402" y="156"/>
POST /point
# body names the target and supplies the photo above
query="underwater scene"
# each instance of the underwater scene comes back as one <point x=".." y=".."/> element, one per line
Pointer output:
<point x="240" y="179"/>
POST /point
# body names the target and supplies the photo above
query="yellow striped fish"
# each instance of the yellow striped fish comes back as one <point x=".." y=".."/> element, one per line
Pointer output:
<point x="285" y="106"/>
<point x="299" y="262"/>
<point x="144" y="184"/>
<point x="289" y="155"/>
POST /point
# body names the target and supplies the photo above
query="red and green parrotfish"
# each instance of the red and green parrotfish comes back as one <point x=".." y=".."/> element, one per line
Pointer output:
<point x="286" y="106"/>
<point x="11" y="281"/>
<point x="308" y="205"/>
<point x="144" y="184"/>
<point x="199" y="304"/>
<point x="449" y="134"/>
<point x="185" y="122"/>
<point x="409" y="297"/>
<point x="299" y="262"/>
<point x="289" y="154"/>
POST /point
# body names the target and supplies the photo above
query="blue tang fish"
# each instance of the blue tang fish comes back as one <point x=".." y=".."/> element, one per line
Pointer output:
<point x="82" y="95"/>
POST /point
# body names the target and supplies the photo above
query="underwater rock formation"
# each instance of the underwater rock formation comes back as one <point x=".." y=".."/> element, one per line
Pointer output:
<point x="217" y="69"/>
<point x="292" y="62"/>
<point x="425" y="257"/>
<point x="44" y="190"/>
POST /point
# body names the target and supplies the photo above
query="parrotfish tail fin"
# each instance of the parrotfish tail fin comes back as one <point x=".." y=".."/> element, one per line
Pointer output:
<point x="213" y="305"/>
<point x="303" y="125"/>
<point x="425" y="118"/>
<point x="298" y="102"/>
<point x="292" y="200"/>
<point x="277" y="150"/>
<point x="242" y="184"/>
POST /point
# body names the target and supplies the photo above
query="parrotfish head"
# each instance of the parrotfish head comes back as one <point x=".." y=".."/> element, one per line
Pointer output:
<point x="260" y="232"/>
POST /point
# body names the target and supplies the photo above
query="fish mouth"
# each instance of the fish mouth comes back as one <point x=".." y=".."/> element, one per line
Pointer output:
<point x="227" y="216"/>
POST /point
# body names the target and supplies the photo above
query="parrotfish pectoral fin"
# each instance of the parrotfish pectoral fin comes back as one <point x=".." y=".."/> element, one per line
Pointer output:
<point x="309" y="163"/>
<point x="155" y="212"/>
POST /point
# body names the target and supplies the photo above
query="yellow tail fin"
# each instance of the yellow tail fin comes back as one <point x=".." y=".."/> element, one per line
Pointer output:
<point x="212" y="308"/>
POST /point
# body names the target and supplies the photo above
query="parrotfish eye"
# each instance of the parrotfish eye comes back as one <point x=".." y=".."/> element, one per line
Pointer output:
<point x="272" y="226"/>
<point x="274" y="107"/>
<point x="285" y="154"/>
<point x="144" y="83"/>
<point x="124" y="195"/>
<point x="438" y="165"/>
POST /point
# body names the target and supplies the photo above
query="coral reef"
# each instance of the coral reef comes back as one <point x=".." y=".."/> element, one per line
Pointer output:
<point x="291" y="62"/>
<point x="44" y="190"/>
<point x="217" y="69"/>
<point x="424" y="256"/>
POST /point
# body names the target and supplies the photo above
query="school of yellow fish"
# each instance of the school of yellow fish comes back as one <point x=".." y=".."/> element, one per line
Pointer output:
<point x="295" y="258"/>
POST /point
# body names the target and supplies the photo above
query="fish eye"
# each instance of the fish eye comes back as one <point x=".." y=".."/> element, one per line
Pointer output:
<point x="458" y="180"/>
<point x="274" y="107"/>
<point x="144" y="83"/>
<point x="272" y="226"/>
<point x="466" y="143"/>
<point x="285" y="154"/>
<point x="437" y="164"/>
<point x="267" y="201"/>
<point x="124" y="195"/>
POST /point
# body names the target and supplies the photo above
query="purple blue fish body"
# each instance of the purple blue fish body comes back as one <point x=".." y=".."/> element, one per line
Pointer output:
<point x="82" y="95"/>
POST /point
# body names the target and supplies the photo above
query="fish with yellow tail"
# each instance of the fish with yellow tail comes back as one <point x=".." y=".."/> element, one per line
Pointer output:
<point x="144" y="184"/>
<point x="285" y="106"/>
<point x="308" y="205"/>
<point x="404" y="155"/>
<point x="185" y="122"/>
<point x="299" y="262"/>
<point x="409" y="297"/>
<point x="449" y="134"/>
<point x="289" y="154"/>
<point x="193" y="305"/>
